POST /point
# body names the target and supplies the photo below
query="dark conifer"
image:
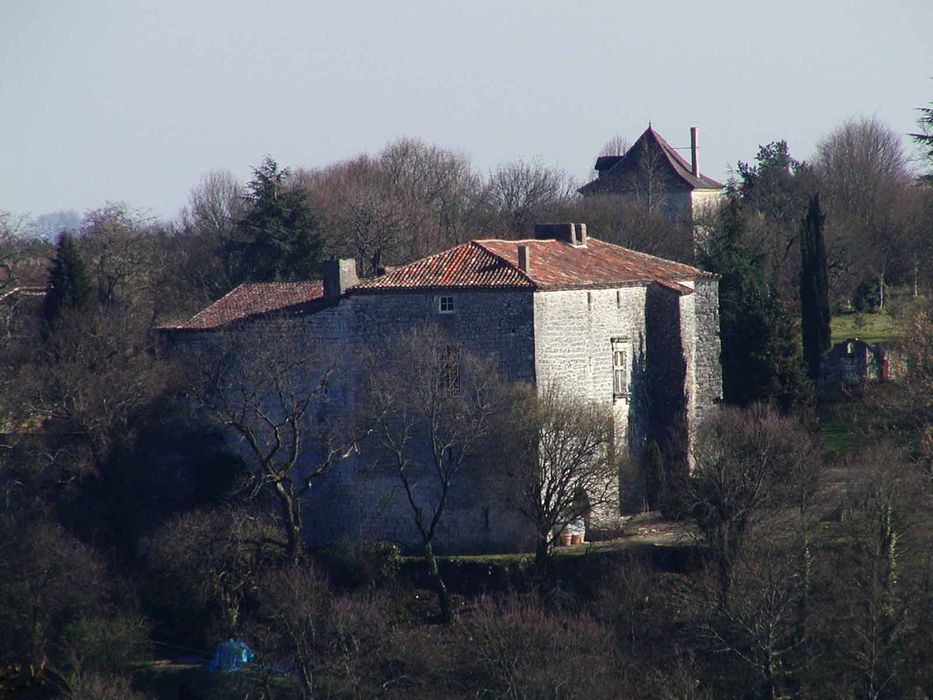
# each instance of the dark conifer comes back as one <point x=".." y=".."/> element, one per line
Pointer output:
<point x="761" y="360"/>
<point x="279" y="235"/>
<point x="814" y="288"/>
<point x="69" y="286"/>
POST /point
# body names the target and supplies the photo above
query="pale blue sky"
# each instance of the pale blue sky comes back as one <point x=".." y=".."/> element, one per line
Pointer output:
<point x="128" y="100"/>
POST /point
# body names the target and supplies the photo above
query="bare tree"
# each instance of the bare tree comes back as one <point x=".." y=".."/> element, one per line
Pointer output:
<point x="113" y="240"/>
<point x="364" y="216"/>
<point x="409" y="200"/>
<point x="764" y="625"/>
<point x="864" y="170"/>
<point x="748" y="464"/>
<point x="616" y="219"/>
<point x="277" y="392"/>
<point x="522" y="192"/>
<point x="324" y="634"/>
<point x="430" y="407"/>
<point x="561" y="466"/>
<point x="206" y="228"/>
<point x="440" y="187"/>
<point x="11" y="229"/>
<point x="47" y="579"/>
<point x="528" y="651"/>
<point x="202" y="565"/>
<point x="86" y="383"/>
<point x="616" y="146"/>
<point x="878" y="573"/>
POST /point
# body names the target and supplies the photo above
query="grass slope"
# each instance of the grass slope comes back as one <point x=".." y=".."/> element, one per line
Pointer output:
<point x="872" y="328"/>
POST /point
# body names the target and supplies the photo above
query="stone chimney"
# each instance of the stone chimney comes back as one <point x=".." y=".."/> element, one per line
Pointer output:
<point x="524" y="259"/>
<point x="694" y="153"/>
<point x="339" y="276"/>
<point x="574" y="234"/>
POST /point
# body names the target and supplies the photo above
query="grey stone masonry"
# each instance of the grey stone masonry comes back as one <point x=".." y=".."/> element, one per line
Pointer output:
<point x="648" y="350"/>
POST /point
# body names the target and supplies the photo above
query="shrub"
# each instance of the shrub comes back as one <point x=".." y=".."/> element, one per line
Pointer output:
<point x="105" y="644"/>
<point x="360" y="564"/>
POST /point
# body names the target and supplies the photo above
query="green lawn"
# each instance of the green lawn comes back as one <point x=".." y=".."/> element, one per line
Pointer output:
<point x="838" y="436"/>
<point x="872" y="328"/>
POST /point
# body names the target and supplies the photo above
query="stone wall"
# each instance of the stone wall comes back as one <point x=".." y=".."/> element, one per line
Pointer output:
<point x="707" y="393"/>
<point x="362" y="499"/>
<point x="574" y="334"/>
<point x="562" y="338"/>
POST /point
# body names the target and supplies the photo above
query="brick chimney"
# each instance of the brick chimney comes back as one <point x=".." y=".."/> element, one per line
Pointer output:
<point x="524" y="259"/>
<point x="339" y="276"/>
<point x="694" y="153"/>
<point x="574" y="234"/>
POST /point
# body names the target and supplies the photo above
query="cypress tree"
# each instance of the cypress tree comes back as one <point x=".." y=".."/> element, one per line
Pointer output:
<point x="814" y="288"/>
<point x="69" y="287"/>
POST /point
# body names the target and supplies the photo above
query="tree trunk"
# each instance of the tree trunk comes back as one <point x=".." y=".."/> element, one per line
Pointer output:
<point x="307" y="680"/>
<point x="542" y="552"/>
<point x="291" y="520"/>
<point x="724" y="582"/>
<point x="443" y="597"/>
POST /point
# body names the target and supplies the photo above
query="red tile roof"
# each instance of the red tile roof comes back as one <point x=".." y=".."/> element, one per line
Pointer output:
<point x="253" y="299"/>
<point x="467" y="265"/>
<point x="493" y="264"/>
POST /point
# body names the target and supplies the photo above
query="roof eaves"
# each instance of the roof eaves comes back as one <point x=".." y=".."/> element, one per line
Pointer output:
<point x="190" y="324"/>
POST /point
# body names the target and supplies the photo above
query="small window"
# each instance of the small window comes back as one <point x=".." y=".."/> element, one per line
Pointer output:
<point x="620" y="362"/>
<point x="445" y="305"/>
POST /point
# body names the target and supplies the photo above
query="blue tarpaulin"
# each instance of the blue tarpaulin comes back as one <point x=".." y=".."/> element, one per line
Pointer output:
<point x="230" y="656"/>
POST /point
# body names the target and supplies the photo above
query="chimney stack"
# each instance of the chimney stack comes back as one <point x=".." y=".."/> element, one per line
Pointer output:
<point x="694" y="152"/>
<point x="524" y="259"/>
<point x="339" y="276"/>
<point x="574" y="234"/>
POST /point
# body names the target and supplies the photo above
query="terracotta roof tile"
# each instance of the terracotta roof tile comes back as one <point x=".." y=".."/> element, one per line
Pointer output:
<point x="467" y="265"/>
<point x="252" y="299"/>
<point x="493" y="264"/>
<point x="559" y="265"/>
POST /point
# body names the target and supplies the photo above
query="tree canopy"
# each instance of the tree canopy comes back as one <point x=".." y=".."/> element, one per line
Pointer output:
<point x="279" y="236"/>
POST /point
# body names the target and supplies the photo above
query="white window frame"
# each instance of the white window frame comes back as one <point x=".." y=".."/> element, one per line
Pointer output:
<point x="621" y="364"/>
<point x="445" y="304"/>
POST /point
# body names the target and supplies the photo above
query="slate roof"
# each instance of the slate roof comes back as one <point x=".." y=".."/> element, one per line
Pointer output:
<point x="616" y="171"/>
<point x="253" y="299"/>
<point x="554" y="264"/>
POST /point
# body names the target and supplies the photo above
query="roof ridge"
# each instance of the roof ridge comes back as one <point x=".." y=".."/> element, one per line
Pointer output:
<point x="499" y="257"/>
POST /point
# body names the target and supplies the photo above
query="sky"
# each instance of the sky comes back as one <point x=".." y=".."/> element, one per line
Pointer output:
<point x="134" y="101"/>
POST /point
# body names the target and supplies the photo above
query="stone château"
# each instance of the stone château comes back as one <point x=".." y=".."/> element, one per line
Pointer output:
<point x="633" y="332"/>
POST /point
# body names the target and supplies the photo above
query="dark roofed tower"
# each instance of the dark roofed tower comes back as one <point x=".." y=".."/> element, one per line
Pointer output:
<point x="654" y="174"/>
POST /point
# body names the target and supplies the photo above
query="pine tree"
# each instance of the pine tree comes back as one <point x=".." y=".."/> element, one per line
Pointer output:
<point x="279" y="235"/>
<point x="814" y="288"/>
<point x="925" y="138"/>
<point x="69" y="286"/>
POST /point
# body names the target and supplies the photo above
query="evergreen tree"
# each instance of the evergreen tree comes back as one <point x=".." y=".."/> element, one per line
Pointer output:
<point x="69" y="287"/>
<point x="925" y="138"/>
<point x="814" y="288"/>
<point x="279" y="238"/>
<point x="761" y="359"/>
